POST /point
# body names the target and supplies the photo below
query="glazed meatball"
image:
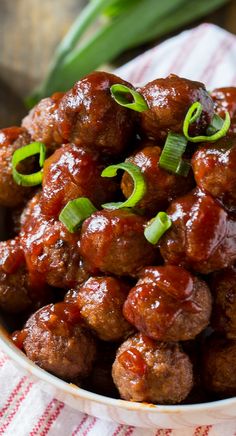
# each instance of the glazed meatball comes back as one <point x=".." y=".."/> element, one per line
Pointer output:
<point x="41" y="122"/>
<point x="11" y="194"/>
<point x="169" y="100"/>
<point x="51" y="251"/>
<point x="223" y="286"/>
<point x="57" y="342"/>
<point x="219" y="362"/>
<point x="100" y="300"/>
<point x="168" y="304"/>
<point x="113" y="242"/>
<point x="161" y="185"/>
<point x="89" y="115"/>
<point x="154" y="372"/>
<point x="225" y="100"/>
<point x="17" y="292"/>
<point x="74" y="172"/>
<point x="202" y="236"/>
<point x="214" y="170"/>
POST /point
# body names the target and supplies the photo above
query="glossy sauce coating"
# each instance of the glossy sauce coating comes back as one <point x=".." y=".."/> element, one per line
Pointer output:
<point x="73" y="172"/>
<point x="57" y="341"/>
<point x="202" y="236"/>
<point x="88" y="115"/>
<point x="52" y="253"/>
<point x="113" y="242"/>
<point x="41" y="122"/>
<point x="169" y="100"/>
<point x="214" y="170"/>
<point x="100" y="300"/>
<point x="225" y="100"/>
<point x="161" y="185"/>
<point x="11" y="194"/>
<point x="168" y="304"/>
<point x="157" y="372"/>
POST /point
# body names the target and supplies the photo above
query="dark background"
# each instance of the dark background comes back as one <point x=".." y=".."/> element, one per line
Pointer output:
<point x="29" y="32"/>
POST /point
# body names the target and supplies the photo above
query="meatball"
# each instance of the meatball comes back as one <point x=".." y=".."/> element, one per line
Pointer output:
<point x="218" y="366"/>
<point x="51" y="251"/>
<point x="202" y="236"/>
<point x="74" y="172"/>
<point x="17" y="292"/>
<point x="223" y="286"/>
<point x="214" y="170"/>
<point x="113" y="242"/>
<point x="100" y="300"/>
<point x="156" y="372"/>
<point x="89" y="115"/>
<point x="57" y="342"/>
<point x="168" y="304"/>
<point x="161" y="185"/>
<point x="41" y="122"/>
<point x="11" y="194"/>
<point x="225" y="100"/>
<point x="169" y="100"/>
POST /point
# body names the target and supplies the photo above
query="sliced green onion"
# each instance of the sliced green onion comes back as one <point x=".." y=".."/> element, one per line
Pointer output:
<point x="156" y="227"/>
<point x="22" y="153"/>
<point x="216" y="124"/>
<point x="193" y="114"/>
<point x="75" y="212"/>
<point x="171" y="156"/>
<point x="139" y="184"/>
<point x="121" y="94"/>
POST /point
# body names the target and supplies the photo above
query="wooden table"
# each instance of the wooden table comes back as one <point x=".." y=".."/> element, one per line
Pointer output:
<point x="30" y="31"/>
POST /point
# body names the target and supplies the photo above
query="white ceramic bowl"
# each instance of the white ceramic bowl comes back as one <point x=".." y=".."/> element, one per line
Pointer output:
<point x="124" y="412"/>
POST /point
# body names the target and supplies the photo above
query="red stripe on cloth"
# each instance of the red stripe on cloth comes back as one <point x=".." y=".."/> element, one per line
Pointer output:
<point x="139" y="73"/>
<point x="91" y="425"/>
<point x="12" y="396"/>
<point x="162" y="432"/>
<point x="185" y="49"/>
<point x="117" y="430"/>
<point x="42" y="418"/>
<point x="45" y="419"/>
<point x="3" y="361"/>
<point x="75" y="432"/>
<point x="52" y="419"/>
<point x="16" y="408"/>
<point x="216" y="58"/>
<point x="202" y="430"/>
<point x="129" y="431"/>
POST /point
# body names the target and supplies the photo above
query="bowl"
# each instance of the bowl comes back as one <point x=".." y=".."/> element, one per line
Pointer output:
<point x="123" y="412"/>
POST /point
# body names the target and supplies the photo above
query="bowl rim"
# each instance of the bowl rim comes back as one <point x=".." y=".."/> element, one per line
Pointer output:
<point x="20" y="358"/>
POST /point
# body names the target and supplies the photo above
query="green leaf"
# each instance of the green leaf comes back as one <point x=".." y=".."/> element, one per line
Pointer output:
<point x="107" y="42"/>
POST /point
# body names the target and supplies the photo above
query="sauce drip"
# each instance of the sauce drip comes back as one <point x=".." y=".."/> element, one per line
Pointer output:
<point x="133" y="361"/>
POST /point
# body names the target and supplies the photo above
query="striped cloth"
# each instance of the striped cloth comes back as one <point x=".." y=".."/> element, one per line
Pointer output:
<point x="205" y="53"/>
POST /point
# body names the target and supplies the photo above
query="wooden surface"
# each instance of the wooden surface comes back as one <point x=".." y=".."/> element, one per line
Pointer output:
<point x="29" y="33"/>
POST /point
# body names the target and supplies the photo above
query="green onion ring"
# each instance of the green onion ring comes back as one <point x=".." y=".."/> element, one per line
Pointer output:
<point x="171" y="156"/>
<point x="193" y="114"/>
<point x="75" y="212"/>
<point x="22" y="153"/>
<point x="119" y="93"/>
<point x="139" y="184"/>
<point x="156" y="227"/>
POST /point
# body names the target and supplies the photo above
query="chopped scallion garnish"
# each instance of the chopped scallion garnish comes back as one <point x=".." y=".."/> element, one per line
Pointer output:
<point x="216" y="124"/>
<point x="138" y="180"/>
<point x="171" y="156"/>
<point x="122" y="94"/>
<point x="193" y="114"/>
<point x="75" y="212"/>
<point x="156" y="227"/>
<point x="22" y="153"/>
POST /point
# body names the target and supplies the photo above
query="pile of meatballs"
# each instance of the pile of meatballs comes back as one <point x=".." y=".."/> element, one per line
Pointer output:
<point x="102" y="307"/>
